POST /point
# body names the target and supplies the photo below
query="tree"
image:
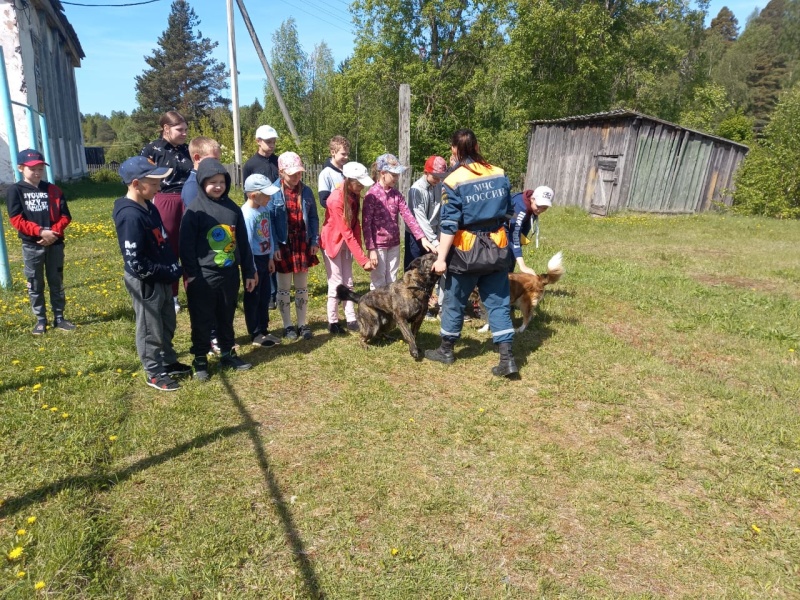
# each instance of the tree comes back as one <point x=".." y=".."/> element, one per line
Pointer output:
<point x="725" y="24"/>
<point x="768" y="182"/>
<point x="182" y="75"/>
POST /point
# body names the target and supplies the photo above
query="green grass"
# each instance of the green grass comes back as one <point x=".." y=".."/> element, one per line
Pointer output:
<point x="651" y="449"/>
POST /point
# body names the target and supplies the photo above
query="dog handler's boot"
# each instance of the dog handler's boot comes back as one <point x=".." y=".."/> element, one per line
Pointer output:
<point x="507" y="366"/>
<point x="443" y="354"/>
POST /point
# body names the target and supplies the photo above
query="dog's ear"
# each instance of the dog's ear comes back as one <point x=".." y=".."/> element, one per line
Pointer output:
<point x="414" y="264"/>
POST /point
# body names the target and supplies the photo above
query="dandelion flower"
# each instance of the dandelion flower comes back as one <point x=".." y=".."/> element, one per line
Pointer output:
<point x="31" y="520"/>
<point x="14" y="362"/>
<point x="21" y="532"/>
<point x="20" y="574"/>
<point x="796" y="470"/>
<point x="39" y="369"/>
<point x="395" y="551"/>
<point x="45" y="406"/>
<point x="79" y="373"/>
<point x="113" y="438"/>
<point x="37" y="386"/>
<point x="756" y="528"/>
<point x="38" y="585"/>
<point x="791" y="349"/>
<point x="481" y="409"/>
<point x="15" y="553"/>
<point x="54" y="408"/>
<point x="65" y="415"/>
<point x="411" y="420"/>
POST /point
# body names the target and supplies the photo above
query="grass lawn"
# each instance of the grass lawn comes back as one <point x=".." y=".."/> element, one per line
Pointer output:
<point x="650" y="450"/>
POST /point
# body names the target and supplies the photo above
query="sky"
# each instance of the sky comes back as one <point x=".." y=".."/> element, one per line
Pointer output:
<point x="116" y="40"/>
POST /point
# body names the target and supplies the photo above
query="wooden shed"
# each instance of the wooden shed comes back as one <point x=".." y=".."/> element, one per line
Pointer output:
<point x="625" y="160"/>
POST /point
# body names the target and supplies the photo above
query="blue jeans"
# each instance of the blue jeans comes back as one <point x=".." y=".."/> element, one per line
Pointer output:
<point x="494" y="291"/>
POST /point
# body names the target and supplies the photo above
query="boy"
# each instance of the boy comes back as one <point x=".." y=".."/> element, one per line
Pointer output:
<point x="150" y="269"/>
<point x="257" y="190"/>
<point x="264" y="161"/>
<point x="38" y="211"/>
<point x="213" y="246"/>
<point x="199" y="148"/>
<point x="331" y="174"/>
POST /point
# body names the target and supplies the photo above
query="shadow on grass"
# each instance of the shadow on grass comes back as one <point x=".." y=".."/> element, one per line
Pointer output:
<point x="104" y="481"/>
<point x="299" y="553"/>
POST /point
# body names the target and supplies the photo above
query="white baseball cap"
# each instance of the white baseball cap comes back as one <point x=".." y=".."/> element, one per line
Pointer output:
<point x="543" y="196"/>
<point x="265" y="132"/>
<point x="357" y="171"/>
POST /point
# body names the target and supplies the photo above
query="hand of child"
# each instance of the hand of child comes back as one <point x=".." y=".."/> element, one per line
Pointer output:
<point x="250" y="284"/>
<point x="277" y="255"/>
<point x="369" y="266"/>
<point x="48" y="237"/>
<point x="313" y="250"/>
<point x="271" y="267"/>
<point x="427" y="245"/>
<point x="526" y="269"/>
<point x="440" y="266"/>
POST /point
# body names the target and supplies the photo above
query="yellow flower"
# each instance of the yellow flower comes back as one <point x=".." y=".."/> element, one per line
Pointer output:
<point x="119" y="370"/>
<point x="45" y="406"/>
<point x="31" y="520"/>
<point x="65" y="415"/>
<point x="37" y="386"/>
<point x="54" y="409"/>
<point x="80" y="373"/>
<point x="411" y="420"/>
<point x="791" y="349"/>
<point x="395" y="551"/>
<point x="756" y="528"/>
<point x="480" y="410"/>
<point x="21" y="532"/>
<point x="20" y="574"/>
<point x="39" y="368"/>
<point x="796" y="470"/>
<point x="15" y="553"/>
<point x="113" y="438"/>
<point x="14" y="362"/>
<point x="38" y="585"/>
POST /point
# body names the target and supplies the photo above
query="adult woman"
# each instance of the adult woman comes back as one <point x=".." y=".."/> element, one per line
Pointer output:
<point x="170" y="150"/>
<point x="473" y="249"/>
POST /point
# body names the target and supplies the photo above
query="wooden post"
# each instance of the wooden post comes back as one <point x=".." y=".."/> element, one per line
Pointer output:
<point x="237" y="132"/>
<point x="405" y="137"/>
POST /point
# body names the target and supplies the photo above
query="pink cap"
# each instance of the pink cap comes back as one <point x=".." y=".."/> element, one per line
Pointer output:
<point x="290" y="163"/>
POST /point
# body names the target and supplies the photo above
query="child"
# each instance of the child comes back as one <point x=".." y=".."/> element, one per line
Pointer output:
<point x="150" y="269"/>
<point x="38" y="211"/>
<point x="264" y="160"/>
<point x="296" y="223"/>
<point x="257" y="190"/>
<point x="341" y="241"/>
<point x="382" y="205"/>
<point x="213" y="247"/>
<point x="199" y="148"/>
<point x="331" y="174"/>
<point x="528" y="205"/>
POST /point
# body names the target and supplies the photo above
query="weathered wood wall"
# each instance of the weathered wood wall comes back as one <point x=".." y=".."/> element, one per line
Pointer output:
<point x="626" y="160"/>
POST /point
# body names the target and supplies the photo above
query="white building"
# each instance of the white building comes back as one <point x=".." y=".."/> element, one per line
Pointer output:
<point x="41" y="52"/>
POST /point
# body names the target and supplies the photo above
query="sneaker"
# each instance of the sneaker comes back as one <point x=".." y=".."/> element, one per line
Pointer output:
<point x="290" y="333"/>
<point x="39" y="328"/>
<point x="306" y="332"/>
<point x="265" y="341"/>
<point x="215" y="347"/>
<point x="163" y="382"/>
<point x="200" y="365"/>
<point x="177" y="304"/>
<point x="64" y="325"/>
<point x="335" y="328"/>
<point x="229" y="360"/>
<point x="178" y="369"/>
<point x="353" y="326"/>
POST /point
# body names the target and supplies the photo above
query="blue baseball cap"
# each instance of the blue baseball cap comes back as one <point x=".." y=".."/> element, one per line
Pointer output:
<point x="260" y="183"/>
<point x="30" y="158"/>
<point x="139" y="167"/>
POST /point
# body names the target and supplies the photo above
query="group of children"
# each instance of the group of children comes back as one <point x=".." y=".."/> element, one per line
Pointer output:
<point x="276" y="231"/>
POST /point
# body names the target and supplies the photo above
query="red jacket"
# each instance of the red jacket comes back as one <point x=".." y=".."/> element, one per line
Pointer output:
<point x="335" y="231"/>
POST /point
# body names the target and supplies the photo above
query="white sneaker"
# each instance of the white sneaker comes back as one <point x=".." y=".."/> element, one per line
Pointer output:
<point x="177" y="305"/>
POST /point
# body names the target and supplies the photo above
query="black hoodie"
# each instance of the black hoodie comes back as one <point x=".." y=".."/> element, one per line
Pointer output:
<point x="143" y="242"/>
<point x="213" y="235"/>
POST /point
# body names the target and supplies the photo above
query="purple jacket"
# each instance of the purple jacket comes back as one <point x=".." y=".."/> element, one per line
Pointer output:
<point x="379" y="218"/>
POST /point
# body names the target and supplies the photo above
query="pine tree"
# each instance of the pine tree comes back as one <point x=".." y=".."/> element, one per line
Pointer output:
<point x="182" y="75"/>
<point x="726" y="24"/>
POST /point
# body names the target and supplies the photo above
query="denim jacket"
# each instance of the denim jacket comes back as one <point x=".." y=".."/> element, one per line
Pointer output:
<point x="279" y="220"/>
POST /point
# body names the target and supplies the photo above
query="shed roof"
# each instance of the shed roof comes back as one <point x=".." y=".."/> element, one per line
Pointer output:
<point x="620" y="113"/>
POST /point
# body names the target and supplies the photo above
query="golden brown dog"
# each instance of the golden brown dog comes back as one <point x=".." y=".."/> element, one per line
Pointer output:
<point x="527" y="290"/>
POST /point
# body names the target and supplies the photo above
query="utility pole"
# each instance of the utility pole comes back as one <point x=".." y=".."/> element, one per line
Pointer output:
<point x="404" y="137"/>
<point x="274" y="84"/>
<point x="237" y="131"/>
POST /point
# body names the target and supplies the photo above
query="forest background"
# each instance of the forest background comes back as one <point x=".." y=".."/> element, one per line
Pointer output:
<point x="494" y="65"/>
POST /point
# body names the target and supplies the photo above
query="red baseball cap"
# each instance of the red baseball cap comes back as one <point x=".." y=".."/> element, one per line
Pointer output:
<point x="436" y="166"/>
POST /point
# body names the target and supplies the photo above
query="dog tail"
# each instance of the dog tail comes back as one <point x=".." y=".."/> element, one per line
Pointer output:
<point x="555" y="269"/>
<point x="344" y="293"/>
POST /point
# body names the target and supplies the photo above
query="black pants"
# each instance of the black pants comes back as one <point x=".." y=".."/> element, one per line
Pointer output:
<point x="413" y="250"/>
<point x="256" y="303"/>
<point x="212" y="301"/>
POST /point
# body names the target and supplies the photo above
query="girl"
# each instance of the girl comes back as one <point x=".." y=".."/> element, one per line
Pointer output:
<point x="341" y="241"/>
<point x="382" y="205"/>
<point x="296" y="233"/>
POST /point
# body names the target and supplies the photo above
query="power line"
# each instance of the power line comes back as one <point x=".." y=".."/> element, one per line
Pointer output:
<point x="111" y="5"/>
<point x="316" y="16"/>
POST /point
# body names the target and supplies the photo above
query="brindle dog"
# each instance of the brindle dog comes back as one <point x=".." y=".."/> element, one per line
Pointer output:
<point x="402" y="303"/>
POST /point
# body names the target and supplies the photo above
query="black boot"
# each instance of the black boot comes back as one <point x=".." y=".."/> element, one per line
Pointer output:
<point x="507" y="366"/>
<point x="443" y="354"/>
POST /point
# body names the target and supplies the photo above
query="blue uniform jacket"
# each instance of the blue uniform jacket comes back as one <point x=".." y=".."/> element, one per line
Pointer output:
<point x="480" y="197"/>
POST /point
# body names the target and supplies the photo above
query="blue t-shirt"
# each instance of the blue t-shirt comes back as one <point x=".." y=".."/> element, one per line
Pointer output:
<point x="258" y="230"/>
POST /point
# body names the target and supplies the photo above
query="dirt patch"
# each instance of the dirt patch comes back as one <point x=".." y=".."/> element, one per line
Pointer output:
<point x="756" y="285"/>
